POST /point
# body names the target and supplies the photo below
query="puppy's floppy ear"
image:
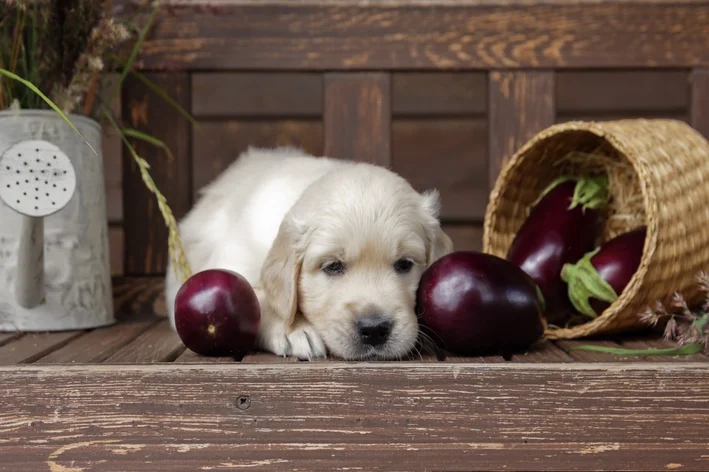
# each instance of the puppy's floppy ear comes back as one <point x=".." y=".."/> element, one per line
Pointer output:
<point x="439" y="243"/>
<point x="281" y="269"/>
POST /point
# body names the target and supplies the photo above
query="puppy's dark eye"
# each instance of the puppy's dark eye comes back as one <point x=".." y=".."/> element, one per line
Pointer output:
<point x="402" y="266"/>
<point x="334" y="268"/>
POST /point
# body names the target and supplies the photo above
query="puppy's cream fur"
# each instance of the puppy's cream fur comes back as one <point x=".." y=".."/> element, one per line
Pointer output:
<point x="278" y="217"/>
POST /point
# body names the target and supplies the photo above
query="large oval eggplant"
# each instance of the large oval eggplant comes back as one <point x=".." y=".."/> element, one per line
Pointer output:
<point x="562" y="227"/>
<point x="596" y="281"/>
<point x="473" y="303"/>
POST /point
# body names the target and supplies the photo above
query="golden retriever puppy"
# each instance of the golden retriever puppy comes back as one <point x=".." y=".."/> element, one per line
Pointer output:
<point x="334" y="250"/>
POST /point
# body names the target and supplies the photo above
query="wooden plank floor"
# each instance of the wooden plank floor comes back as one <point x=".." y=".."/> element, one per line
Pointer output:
<point x="130" y="397"/>
<point x="142" y="335"/>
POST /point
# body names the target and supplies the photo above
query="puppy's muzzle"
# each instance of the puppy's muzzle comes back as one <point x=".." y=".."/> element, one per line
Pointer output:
<point x="373" y="330"/>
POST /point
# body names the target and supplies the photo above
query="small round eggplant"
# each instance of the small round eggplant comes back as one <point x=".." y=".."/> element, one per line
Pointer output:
<point x="560" y="229"/>
<point x="473" y="303"/>
<point x="217" y="313"/>
<point x="596" y="281"/>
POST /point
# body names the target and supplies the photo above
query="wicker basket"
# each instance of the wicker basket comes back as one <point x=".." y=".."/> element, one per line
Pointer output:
<point x="669" y="162"/>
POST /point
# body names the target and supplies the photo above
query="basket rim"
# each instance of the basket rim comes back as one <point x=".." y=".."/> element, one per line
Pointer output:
<point x="640" y="166"/>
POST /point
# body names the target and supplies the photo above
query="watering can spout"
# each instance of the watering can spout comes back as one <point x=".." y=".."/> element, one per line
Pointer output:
<point x="36" y="180"/>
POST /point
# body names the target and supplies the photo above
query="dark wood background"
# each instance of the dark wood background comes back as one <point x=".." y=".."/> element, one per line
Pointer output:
<point x="441" y="92"/>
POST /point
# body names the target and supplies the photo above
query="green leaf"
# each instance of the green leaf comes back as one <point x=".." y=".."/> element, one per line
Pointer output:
<point x="133" y="54"/>
<point x="684" y="350"/>
<point x="31" y="86"/>
<point x="132" y="133"/>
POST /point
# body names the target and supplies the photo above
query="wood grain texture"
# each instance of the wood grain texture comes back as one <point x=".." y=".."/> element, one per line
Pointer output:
<point x="7" y="337"/>
<point x="190" y="357"/>
<point x="138" y="295"/>
<point x="679" y="115"/>
<point x="439" y="93"/>
<point x="99" y="344"/>
<point x="699" y="109"/>
<point x="355" y="35"/>
<point x="521" y="105"/>
<point x="32" y="346"/>
<point x="545" y="352"/>
<point x="257" y="94"/>
<point x="632" y="91"/>
<point x="449" y="155"/>
<point x="466" y="237"/>
<point x="113" y="174"/>
<point x="145" y="231"/>
<point x="112" y="160"/>
<point x="330" y="416"/>
<point x="357" y="117"/>
<point x="116" y="249"/>
<point x="160" y="343"/>
<point x="217" y="144"/>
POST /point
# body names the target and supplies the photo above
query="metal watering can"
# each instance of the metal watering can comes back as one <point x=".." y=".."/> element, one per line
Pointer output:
<point x="54" y="254"/>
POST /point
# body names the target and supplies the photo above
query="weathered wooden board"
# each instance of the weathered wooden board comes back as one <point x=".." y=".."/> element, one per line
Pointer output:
<point x="33" y="346"/>
<point x="216" y="144"/>
<point x="357" y="117"/>
<point x="257" y="94"/>
<point x="449" y="155"/>
<point x="160" y="343"/>
<point x="99" y="344"/>
<point x="373" y="416"/>
<point x="116" y="248"/>
<point x="442" y="35"/>
<point x="144" y="227"/>
<point x="632" y="91"/>
<point x="465" y="237"/>
<point x="521" y="105"/>
<point x="700" y="101"/>
<point x="439" y="93"/>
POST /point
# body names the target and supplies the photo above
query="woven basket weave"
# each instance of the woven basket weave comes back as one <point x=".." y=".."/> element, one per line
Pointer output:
<point x="670" y="161"/>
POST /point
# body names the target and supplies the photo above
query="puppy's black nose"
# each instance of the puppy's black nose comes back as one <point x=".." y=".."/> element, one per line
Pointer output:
<point x="373" y="330"/>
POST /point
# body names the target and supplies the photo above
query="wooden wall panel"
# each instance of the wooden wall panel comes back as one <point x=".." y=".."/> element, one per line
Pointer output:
<point x="448" y="154"/>
<point x="144" y="227"/>
<point x="700" y="101"/>
<point x="632" y="91"/>
<point x="357" y="117"/>
<point x="439" y="93"/>
<point x="216" y="144"/>
<point x="466" y="237"/>
<point x="622" y="94"/>
<point x="116" y="245"/>
<point x="521" y="104"/>
<point x="356" y="35"/>
<point x="228" y="94"/>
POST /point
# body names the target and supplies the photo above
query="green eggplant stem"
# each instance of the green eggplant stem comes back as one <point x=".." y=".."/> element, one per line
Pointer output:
<point x="590" y="192"/>
<point x="584" y="283"/>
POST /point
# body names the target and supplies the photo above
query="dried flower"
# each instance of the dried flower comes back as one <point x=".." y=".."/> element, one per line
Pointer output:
<point x="649" y="317"/>
<point x="104" y="37"/>
<point x="670" y="330"/>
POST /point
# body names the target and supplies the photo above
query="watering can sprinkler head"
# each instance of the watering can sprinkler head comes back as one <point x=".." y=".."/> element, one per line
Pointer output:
<point x="36" y="180"/>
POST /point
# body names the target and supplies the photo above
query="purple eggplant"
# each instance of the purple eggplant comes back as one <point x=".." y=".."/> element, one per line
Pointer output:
<point x="596" y="281"/>
<point x="471" y="303"/>
<point x="562" y="227"/>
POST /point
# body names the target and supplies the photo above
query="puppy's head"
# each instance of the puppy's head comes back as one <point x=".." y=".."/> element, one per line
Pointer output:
<point x="349" y="256"/>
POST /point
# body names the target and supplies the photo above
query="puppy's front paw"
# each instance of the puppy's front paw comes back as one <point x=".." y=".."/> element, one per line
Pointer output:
<point x="300" y="340"/>
<point x="305" y="343"/>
